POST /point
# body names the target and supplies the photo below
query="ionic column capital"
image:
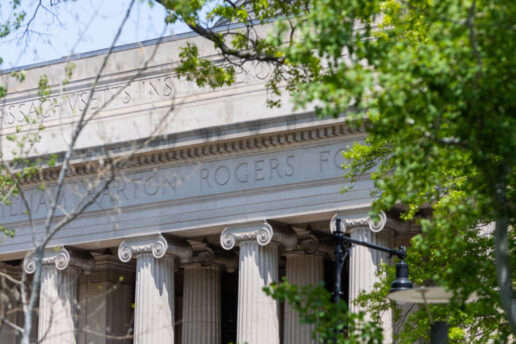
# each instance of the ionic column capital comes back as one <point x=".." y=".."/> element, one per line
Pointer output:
<point x="157" y="245"/>
<point x="61" y="258"/>
<point x="311" y="245"/>
<point x="351" y="223"/>
<point x="308" y="245"/>
<point x="261" y="232"/>
<point x="204" y="257"/>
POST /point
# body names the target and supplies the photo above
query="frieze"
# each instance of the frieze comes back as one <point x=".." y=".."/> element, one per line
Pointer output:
<point x="193" y="179"/>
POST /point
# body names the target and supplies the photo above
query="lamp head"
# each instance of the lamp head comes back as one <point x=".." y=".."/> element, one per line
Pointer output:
<point x="402" y="281"/>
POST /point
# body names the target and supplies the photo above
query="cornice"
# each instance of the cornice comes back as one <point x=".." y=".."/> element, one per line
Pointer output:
<point x="187" y="153"/>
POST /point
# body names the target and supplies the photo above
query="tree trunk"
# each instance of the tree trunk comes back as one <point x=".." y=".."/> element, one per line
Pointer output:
<point x="503" y="270"/>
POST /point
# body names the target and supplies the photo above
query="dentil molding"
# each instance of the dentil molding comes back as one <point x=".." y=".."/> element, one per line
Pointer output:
<point x="180" y="154"/>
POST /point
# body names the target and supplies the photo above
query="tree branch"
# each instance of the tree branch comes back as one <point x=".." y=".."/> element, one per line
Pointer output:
<point x="227" y="50"/>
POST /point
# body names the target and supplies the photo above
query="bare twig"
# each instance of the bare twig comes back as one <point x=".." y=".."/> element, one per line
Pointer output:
<point x="9" y="278"/>
<point x="63" y="172"/>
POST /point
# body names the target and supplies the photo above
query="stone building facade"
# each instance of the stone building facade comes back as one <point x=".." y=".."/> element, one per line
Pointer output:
<point x="230" y="196"/>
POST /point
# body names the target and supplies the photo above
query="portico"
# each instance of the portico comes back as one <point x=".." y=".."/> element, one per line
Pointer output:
<point x="256" y="252"/>
<point x="228" y="198"/>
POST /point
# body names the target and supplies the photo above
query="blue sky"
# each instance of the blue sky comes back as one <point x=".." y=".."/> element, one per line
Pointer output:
<point x="80" y="26"/>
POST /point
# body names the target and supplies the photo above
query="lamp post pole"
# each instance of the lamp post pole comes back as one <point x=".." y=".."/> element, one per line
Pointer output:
<point x="342" y="252"/>
<point x="340" y="258"/>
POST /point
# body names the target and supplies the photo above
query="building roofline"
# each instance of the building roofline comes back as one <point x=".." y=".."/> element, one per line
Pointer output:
<point x="117" y="48"/>
<point x="97" y="52"/>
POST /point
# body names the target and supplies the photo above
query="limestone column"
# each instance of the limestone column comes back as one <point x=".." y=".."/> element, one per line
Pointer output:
<point x="364" y="262"/>
<point x="106" y="298"/>
<point x="60" y="269"/>
<point x="154" y="294"/>
<point x="258" y="314"/>
<point x="201" y="300"/>
<point x="305" y="266"/>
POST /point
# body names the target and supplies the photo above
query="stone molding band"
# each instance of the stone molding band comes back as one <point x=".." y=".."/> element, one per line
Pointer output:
<point x="157" y="245"/>
<point x="360" y="222"/>
<point x="238" y="145"/>
<point x="61" y="258"/>
<point x="261" y="232"/>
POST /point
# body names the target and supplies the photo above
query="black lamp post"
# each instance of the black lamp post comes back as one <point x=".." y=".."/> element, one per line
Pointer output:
<point x="341" y="254"/>
<point x="401" y="282"/>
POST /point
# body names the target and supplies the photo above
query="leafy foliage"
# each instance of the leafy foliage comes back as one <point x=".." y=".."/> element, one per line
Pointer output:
<point x="433" y="83"/>
<point x="333" y="323"/>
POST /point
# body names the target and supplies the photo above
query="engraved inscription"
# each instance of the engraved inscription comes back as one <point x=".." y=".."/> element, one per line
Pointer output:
<point x="330" y="159"/>
<point x="193" y="180"/>
<point x="68" y="104"/>
<point x="248" y="171"/>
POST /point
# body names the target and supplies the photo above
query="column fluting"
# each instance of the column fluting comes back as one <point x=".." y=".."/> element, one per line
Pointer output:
<point x="302" y="269"/>
<point x="154" y="294"/>
<point x="364" y="265"/>
<point x="60" y="270"/>
<point x="58" y="305"/>
<point x="154" y="300"/>
<point x="257" y="316"/>
<point x="201" y="304"/>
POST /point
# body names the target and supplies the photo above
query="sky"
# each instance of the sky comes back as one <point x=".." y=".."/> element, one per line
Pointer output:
<point x="79" y="26"/>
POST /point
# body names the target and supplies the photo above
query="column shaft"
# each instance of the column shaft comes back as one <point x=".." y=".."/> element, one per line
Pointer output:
<point x="364" y="264"/>
<point x="258" y="317"/>
<point x="154" y="300"/>
<point x="302" y="270"/>
<point x="106" y="297"/>
<point x="201" y="304"/>
<point x="57" y="305"/>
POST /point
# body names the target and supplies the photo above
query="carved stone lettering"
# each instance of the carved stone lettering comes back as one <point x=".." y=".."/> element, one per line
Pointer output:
<point x="185" y="181"/>
<point x="242" y="177"/>
<point x="258" y="170"/>
<point x="222" y="175"/>
<point x="328" y="158"/>
<point x="151" y="186"/>
<point x="324" y="160"/>
<point x="255" y="170"/>
<point x="69" y="104"/>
